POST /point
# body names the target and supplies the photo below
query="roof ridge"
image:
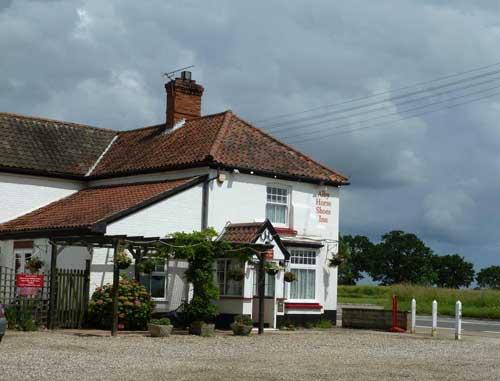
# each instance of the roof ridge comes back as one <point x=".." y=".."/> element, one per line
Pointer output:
<point x="42" y="119"/>
<point x="291" y="148"/>
<point x="228" y="114"/>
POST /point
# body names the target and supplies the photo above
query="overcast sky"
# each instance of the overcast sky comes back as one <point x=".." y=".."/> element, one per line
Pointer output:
<point x="437" y="175"/>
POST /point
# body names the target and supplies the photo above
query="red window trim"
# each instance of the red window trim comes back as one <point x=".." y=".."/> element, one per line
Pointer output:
<point x="285" y="231"/>
<point x="304" y="306"/>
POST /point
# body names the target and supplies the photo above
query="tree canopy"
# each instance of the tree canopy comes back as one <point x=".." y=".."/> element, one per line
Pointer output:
<point x="453" y="271"/>
<point x="489" y="277"/>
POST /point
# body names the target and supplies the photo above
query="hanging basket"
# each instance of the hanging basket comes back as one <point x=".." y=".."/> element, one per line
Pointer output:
<point x="289" y="277"/>
<point x="34" y="265"/>
<point x="146" y="266"/>
<point x="336" y="261"/>
<point x="236" y="274"/>
<point x="272" y="268"/>
<point x="123" y="261"/>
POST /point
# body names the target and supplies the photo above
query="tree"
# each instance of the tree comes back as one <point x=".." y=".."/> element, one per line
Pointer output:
<point x="402" y="258"/>
<point x="489" y="277"/>
<point x="355" y="253"/>
<point x="453" y="271"/>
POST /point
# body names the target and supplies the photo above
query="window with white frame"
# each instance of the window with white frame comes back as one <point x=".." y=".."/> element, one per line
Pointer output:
<point x="228" y="286"/>
<point x="278" y="204"/>
<point x="156" y="281"/>
<point x="303" y="265"/>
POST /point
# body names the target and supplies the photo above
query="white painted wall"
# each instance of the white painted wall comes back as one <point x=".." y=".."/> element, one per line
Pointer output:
<point x="181" y="212"/>
<point x="21" y="194"/>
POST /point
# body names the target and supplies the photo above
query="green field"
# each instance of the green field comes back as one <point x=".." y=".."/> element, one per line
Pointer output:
<point x="475" y="303"/>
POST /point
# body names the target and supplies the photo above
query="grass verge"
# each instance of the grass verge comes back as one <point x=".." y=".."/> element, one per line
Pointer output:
<point x="475" y="303"/>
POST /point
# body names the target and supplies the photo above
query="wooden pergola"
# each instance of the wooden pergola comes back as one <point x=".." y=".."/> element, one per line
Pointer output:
<point x="138" y="246"/>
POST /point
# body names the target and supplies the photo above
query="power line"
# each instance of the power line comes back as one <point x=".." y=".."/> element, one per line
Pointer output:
<point x="348" y="116"/>
<point x="437" y="79"/>
<point x="314" y="132"/>
<point x="389" y="123"/>
<point x="390" y="99"/>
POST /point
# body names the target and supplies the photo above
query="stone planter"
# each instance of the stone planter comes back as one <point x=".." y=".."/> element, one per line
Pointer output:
<point x="202" y="329"/>
<point x="157" y="330"/>
<point x="241" y="329"/>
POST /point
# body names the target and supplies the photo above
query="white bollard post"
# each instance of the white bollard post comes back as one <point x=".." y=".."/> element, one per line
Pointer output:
<point x="434" y="318"/>
<point x="458" y="320"/>
<point x="413" y="316"/>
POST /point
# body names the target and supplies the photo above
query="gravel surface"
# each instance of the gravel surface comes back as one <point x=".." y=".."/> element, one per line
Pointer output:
<point x="335" y="354"/>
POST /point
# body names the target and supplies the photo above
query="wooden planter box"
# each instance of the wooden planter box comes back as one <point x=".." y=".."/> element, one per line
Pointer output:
<point x="157" y="330"/>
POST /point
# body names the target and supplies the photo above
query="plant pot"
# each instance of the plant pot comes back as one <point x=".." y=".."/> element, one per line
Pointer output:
<point x="202" y="329"/>
<point x="289" y="277"/>
<point x="241" y="329"/>
<point x="157" y="330"/>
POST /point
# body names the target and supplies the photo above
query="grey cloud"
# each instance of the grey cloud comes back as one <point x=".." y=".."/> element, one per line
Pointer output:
<point x="101" y="62"/>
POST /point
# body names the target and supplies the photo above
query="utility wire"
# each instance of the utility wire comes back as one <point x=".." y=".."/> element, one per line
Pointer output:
<point x="286" y="124"/>
<point x="314" y="132"/>
<point x="437" y="79"/>
<point x="389" y="123"/>
<point x="348" y="116"/>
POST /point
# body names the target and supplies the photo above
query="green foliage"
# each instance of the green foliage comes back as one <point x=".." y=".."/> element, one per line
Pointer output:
<point x="402" y="258"/>
<point x="134" y="306"/>
<point x="200" y="249"/>
<point x="476" y="303"/>
<point x="21" y="316"/>
<point x="453" y="271"/>
<point x="147" y="265"/>
<point x="162" y="321"/>
<point x="324" y="324"/>
<point x="243" y="319"/>
<point x="287" y="325"/>
<point x="34" y="264"/>
<point x="122" y="260"/>
<point x="272" y="268"/>
<point x="489" y="277"/>
<point x="353" y="258"/>
<point x="289" y="277"/>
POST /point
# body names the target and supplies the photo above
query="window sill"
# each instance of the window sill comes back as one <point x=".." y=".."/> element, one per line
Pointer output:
<point x="303" y="306"/>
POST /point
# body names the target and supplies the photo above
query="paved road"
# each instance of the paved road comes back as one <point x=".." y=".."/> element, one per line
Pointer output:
<point x="468" y="324"/>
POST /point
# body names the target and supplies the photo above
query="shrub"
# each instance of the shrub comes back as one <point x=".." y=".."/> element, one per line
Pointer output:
<point x="134" y="306"/>
<point x="324" y="323"/>
<point x="243" y="319"/>
<point x="162" y="321"/>
<point x="123" y="261"/>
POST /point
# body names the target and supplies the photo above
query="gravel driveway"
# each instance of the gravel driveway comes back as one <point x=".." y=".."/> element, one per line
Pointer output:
<point x="335" y="354"/>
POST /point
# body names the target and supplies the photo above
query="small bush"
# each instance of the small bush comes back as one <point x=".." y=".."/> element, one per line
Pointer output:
<point x="308" y="325"/>
<point x="324" y="323"/>
<point x="134" y="306"/>
<point x="243" y="319"/>
<point x="162" y="321"/>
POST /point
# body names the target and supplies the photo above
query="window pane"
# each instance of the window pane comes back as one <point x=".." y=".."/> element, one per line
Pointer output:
<point x="158" y="286"/>
<point x="305" y="285"/>
<point x="269" y="288"/>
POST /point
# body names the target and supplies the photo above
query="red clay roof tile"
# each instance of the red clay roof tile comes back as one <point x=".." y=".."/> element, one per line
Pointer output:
<point x="90" y="206"/>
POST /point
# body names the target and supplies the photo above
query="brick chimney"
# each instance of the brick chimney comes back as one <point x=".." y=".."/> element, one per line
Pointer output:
<point x="183" y="99"/>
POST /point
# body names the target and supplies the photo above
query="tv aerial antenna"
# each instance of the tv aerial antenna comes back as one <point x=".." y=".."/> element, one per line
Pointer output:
<point x="170" y="74"/>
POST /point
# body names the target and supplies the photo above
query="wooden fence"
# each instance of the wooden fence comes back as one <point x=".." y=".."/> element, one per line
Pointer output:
<point x="71" y="302"/>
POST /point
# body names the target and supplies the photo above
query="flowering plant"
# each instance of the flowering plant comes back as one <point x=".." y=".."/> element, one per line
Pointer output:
<point x="134" y="306"/>
<point x="122" y="260"/>
<point x="34" y="264"/>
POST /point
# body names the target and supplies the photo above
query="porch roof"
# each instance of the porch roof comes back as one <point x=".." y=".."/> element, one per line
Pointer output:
<point x="250" y="232"/>
<point x="88" y="211"/>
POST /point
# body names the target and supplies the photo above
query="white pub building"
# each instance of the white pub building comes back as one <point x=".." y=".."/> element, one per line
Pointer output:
<point x="191" y="172"/>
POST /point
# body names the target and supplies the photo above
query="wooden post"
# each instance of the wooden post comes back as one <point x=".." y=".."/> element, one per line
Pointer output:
<point x="116" y="282"/>
<point x="261" y="291"/>
<point x="53" y="286"/>
<point x="137" y="254"/>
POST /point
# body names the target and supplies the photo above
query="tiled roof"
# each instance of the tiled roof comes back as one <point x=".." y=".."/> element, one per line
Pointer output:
<point x="50" y="146"/>
<point x="243" y="232"/>
<point x="216" y="140"/>
<point x="220" y="140"/>
<point x="88" y="207"/>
